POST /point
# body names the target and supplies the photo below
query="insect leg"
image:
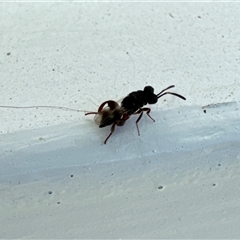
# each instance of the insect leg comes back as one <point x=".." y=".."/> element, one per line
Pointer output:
<point x="120" y="122"/>
<point x="112" y="130"/>
<point x="140" y="111"/>
<point x="91" y="113"/>
<point x="140" y="116"/>
<point x="112" y="105"/>
<point x="148" y="110"/>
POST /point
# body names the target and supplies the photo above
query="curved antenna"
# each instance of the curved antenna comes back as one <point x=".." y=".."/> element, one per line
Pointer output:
<point x="175" y="94"/>
<point x="162" y="93"/>
<point x="166" y="89"/>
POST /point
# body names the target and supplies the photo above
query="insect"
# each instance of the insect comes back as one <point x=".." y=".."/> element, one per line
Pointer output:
<point x="111" y="113"/>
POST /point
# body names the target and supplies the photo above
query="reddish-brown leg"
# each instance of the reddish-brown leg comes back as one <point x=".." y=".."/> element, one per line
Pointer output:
<point x="120" y="122"/>
<point x="111" y="104"/>
<point x="140" y="111"/>
<point x="112" y="130"/>
<point x="91" y="113"/>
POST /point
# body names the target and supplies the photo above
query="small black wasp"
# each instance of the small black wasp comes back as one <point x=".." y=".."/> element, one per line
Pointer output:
<point x="115" y="114"/>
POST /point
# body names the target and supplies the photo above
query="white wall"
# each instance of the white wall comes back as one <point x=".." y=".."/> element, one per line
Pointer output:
<point x="78" y="55"/>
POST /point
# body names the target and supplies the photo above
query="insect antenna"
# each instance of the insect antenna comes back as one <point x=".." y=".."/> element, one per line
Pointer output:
<point x="166" y="89"/>
<point x="162" y="93"/>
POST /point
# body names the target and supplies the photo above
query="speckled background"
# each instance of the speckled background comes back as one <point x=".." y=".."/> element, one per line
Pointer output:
<point x="79" y="54"/>
<point x="178" y="179"/>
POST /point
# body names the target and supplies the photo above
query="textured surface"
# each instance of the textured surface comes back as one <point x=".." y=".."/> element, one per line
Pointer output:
<point x="179" y="179"/>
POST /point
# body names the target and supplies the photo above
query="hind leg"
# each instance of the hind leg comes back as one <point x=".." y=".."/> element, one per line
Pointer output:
<point x="119" y="123"/>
